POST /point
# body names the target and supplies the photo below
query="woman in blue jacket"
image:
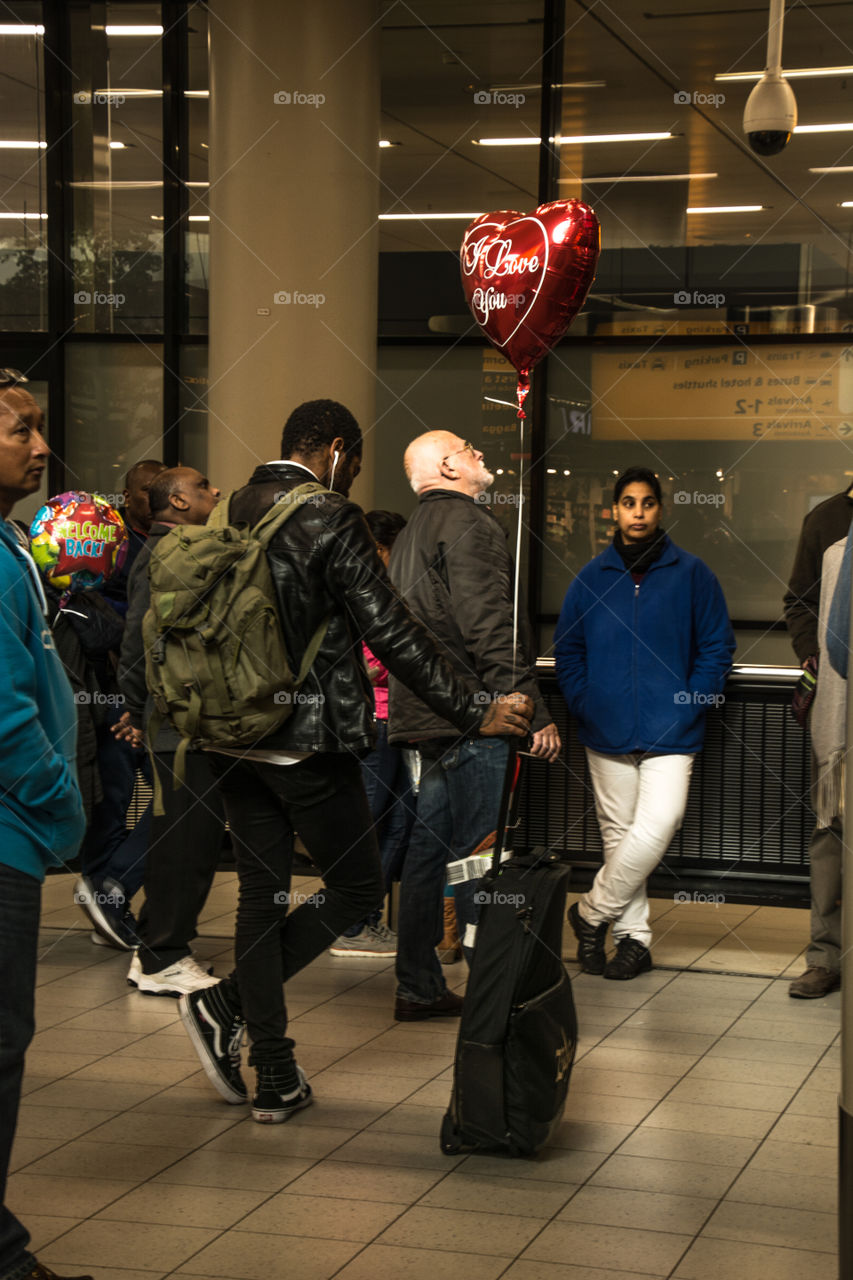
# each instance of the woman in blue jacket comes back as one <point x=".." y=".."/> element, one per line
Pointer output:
<point x="642" y="648"/>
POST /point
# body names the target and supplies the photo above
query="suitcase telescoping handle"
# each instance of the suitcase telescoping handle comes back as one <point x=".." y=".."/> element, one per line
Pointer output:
<point x="510" y="789"/>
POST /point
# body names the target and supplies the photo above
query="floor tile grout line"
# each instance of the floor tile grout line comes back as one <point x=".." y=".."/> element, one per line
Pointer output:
<point x="625" y="1017"/>
<point x="737" y="1173"/>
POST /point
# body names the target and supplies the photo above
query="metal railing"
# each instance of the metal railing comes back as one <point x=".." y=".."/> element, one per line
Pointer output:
<point x="747" y="817"/>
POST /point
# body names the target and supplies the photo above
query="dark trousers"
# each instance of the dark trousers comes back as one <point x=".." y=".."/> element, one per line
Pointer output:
<point x="392" y="808"/>
<point x="183" y="855"/>
<point x="20" y="903"/>
<point x="109" y="849"/>
<point x="323" y="799"/>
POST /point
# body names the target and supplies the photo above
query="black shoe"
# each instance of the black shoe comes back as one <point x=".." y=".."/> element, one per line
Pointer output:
<point x="591" y="957"/>
<point x="282" y="1090"/>
<point x="105" y="904"/>
<point x="631" y="959"/>
<point x="217" y="1036"/>
<point x="41" y="1272"/>
<point x="446" y="1006"/>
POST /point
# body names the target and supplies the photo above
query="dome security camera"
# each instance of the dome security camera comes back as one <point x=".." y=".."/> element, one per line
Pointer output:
<point x="770" y="115"/>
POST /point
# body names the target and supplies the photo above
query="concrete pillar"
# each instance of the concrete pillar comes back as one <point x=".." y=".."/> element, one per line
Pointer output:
<point x="294" y="162"/>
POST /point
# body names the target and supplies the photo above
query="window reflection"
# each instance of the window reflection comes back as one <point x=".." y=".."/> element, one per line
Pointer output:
<point x="116" y="245"/>
<point x="23" y="204"/>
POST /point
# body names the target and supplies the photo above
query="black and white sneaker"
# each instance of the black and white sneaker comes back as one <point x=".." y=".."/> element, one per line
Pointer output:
<point x="217" y="1036"/>
<point x="282" y="1090"/>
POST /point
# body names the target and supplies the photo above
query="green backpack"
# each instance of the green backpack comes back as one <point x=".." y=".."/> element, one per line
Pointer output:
<point x="215" y="658"/>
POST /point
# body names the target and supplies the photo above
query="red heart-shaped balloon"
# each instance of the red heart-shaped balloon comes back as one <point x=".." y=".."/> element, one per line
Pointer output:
<point x="526" y="275"/>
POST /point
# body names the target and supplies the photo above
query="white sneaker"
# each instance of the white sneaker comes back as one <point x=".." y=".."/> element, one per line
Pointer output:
<point x="177" y="980"/>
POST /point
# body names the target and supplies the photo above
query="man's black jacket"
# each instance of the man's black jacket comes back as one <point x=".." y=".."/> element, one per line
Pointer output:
<point x="452" y="567"/>
<point x="826" y="524"/>
<point x="324" y="564"/>
<point x="131" y="670"/>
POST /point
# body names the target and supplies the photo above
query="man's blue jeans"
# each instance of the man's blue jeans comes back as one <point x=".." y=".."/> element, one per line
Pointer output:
<point x="458" y="805"/>
<point x="20" y="903"/>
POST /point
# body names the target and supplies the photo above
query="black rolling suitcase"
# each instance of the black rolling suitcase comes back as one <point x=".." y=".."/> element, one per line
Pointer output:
<point x="518" y="1031"/>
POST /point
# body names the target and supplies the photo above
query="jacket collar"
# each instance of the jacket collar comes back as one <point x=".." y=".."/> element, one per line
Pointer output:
<point x="435" y="495"/>
<point x="280" y="468"/>
<point x="611" y="559"/>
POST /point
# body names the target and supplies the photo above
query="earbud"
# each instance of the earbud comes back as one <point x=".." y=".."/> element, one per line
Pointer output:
<point x="334" y="465"/>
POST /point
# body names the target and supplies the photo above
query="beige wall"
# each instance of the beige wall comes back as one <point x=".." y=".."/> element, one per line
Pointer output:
<point x="293" y="204"/>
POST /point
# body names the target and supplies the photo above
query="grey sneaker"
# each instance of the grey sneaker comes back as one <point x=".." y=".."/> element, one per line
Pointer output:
<point x="373" y="940"/>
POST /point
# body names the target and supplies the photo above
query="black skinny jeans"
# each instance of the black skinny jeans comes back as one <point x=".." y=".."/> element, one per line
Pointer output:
<point x="323" y="799"/>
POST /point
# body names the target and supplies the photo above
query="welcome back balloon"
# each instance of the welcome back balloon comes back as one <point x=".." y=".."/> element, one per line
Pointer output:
<point x="77" y="540"/>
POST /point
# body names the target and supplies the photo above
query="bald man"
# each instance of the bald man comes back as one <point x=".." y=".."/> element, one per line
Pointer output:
<point x="453" y="569"/>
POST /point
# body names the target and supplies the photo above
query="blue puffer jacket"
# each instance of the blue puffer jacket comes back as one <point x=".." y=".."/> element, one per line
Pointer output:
<point x="639" y="665"/>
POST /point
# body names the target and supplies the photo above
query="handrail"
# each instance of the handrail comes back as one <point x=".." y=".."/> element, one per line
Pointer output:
<point x="742" y="673"/>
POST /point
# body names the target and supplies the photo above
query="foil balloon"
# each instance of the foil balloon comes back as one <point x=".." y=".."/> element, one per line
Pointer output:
<point x="77" y="540"/>
<point x="526" y="277"/>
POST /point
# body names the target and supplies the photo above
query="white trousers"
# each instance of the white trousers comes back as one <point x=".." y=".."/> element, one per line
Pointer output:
<point x="639" y="802"/>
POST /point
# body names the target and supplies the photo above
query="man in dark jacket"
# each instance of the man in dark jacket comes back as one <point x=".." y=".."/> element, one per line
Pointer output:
<point x="185" y="842"/>
<point x="306" y="775"/>
<point x="453" y="569"/>
<point x="828" y="523"/>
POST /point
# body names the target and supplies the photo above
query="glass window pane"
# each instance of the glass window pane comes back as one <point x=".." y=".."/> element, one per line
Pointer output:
<point x="453" y="80"/>
<point x="422" y="389"/>
<point x="696" y="228"/>
<point x="23" y="206"/>
<point x="745" y="442"/>
<point x="116" y="247"/>
<point x="193" y="411"/>
<point x="114" y="412"/>
<point x="197" y="234"/>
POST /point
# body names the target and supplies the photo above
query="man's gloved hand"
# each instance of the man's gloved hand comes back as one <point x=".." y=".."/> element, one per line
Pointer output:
<point x="508" y="715"/>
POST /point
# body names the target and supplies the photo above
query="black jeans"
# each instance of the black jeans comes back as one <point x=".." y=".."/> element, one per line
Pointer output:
<point x="183" y="855"/>
<point x="323" y="799"/>
<point x="20" y="902"/>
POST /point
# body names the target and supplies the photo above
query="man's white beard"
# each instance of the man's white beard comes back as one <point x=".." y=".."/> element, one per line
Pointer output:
<point x="484" y="479"/>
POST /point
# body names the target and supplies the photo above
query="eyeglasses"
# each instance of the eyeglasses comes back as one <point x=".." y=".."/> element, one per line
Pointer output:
<point x="466" y="448"/>
<point x="12" y="378"/>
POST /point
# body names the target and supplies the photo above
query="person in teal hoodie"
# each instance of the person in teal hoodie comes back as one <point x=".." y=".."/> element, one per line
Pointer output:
<point x="41" y="812"/>
<point x="642" y="650"/>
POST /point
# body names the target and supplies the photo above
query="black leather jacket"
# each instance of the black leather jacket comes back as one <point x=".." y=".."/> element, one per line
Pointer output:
<point x="452" y="567"/>
<point x="324" y="562"/>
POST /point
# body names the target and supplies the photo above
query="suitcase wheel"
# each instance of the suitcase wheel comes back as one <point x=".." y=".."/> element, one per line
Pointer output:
<point x="450" y="1143"/>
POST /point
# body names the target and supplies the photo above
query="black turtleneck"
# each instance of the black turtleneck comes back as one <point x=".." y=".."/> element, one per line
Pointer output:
<point x="640" y="555"/>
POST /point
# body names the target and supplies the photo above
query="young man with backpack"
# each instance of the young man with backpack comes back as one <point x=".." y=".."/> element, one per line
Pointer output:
<point x="331" y="592"/>
<point x="186" y="839"/>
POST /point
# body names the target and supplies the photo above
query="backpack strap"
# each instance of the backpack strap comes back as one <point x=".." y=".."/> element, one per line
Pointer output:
<point x="286" y="506"/>
<point x="218" y="518"/>
<point x="265" y="530"/>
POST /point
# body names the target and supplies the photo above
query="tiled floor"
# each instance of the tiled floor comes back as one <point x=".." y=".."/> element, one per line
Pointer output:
<point x="698" y="1142"/>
